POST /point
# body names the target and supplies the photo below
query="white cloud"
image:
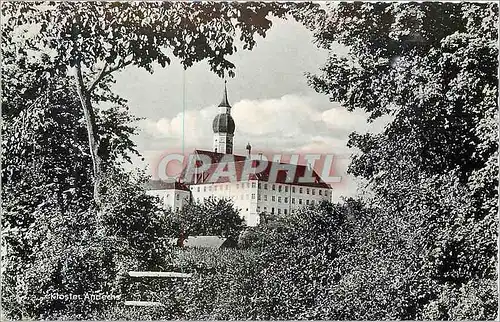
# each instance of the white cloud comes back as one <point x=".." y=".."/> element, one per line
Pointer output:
<point x="289" y="115"/>
<point x="197" y="126"/>
<point x="289" y="123"/>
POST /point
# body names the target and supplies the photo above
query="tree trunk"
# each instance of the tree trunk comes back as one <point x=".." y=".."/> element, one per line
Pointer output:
<point x="91" y="131"/>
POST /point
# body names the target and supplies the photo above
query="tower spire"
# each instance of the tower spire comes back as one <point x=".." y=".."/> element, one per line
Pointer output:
<point x="224" y="102"/>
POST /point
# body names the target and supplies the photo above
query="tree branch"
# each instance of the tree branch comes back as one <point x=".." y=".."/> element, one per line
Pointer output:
<point x="105" y="73"/>
<point x="98" y="78"/>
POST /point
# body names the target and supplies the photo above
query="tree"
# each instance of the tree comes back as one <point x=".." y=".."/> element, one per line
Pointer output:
<point x="53" y="243"/>
<point x="212" y="217"/>
<point x="432" y="67"/>
<point x="98" y="39"/>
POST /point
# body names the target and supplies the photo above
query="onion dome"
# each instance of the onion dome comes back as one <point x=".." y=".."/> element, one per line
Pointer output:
<point x="223" y="122"/>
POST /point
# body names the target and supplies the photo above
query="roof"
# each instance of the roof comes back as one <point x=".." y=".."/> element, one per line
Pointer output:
<point x="164" y="185"/>
<point x="265" y="175"/>
<point x="204" y="241"/>
<point x="223" y="123"/>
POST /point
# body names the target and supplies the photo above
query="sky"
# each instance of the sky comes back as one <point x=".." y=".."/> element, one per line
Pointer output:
<point x="273" y="107"/>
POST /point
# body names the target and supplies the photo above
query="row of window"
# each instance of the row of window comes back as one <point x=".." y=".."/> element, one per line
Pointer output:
<point x="273" y="199"/>
<point x="285" y="211"/>
<point x="301" y="190"/>
<point x="285" y="200"/>
<point x="265" y="185"/>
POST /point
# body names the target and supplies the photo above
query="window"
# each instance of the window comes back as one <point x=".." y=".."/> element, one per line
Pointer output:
<point x="313" y="192"/>
<point x="293" y="200"/>
<point x="198" y="199"/>
<point x="300" y="201"/>
<point x="279" y="188"/>
<point x="253" y="195"/>
<point x="307" y="201"/>
<point x="272" y="210"/>
<point x="307" y="190"/>
<point x="247" y="210"/>
<point x="284" y="211"/>
<point x="198" y="189"/>
<point x="300" y="190"/>
<point x="253" y="184"/>
<point x="177" y="196"/>
<point x="259" y="197"/>
<point x="279" y="199"/>
<point x="177" y="209"/>
<point x="274" y="198"/>
<point x="279" y="211"/>
<point x="286" y="199"/>
<point x="320" y="192"/>
<point x="286" y="188"/>
<point x="260" y="185"/>
<point x="274" y="187"/>
<point x="204" y="189"/>
<point x="265" y="208"/>
<point x="258" y="209"/>
<point x="265" y="197"/>
<point x="312" y="202"/>
<point x="265" y="186"/>
<point x="293" y="189"/>
<point x="210" y="188"/>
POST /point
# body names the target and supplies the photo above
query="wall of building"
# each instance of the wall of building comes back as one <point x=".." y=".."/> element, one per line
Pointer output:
<point x="243" y="194"/>
<point x="253" y="197"/>
<point x="173" y="198"/>
<point x="285" y="198"/>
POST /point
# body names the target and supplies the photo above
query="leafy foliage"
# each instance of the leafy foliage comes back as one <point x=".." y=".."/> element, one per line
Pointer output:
<point x="143" y="33"/>
<point x="54" y="243"/>
<point x="214" y="217"/>
<point x="431" y="67"/>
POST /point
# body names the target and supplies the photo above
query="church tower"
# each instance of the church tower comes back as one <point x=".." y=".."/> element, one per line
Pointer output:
<point x="223" y="127"/>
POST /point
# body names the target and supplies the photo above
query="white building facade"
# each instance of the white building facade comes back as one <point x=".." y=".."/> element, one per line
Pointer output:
<point x="254" y="197"/>
<point x="172" y="195"/>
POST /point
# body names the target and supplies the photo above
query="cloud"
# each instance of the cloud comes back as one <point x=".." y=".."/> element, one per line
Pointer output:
<point x="288" y="115"/>
<point x="196" y="125"/>
<point x="301" y="123"/>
